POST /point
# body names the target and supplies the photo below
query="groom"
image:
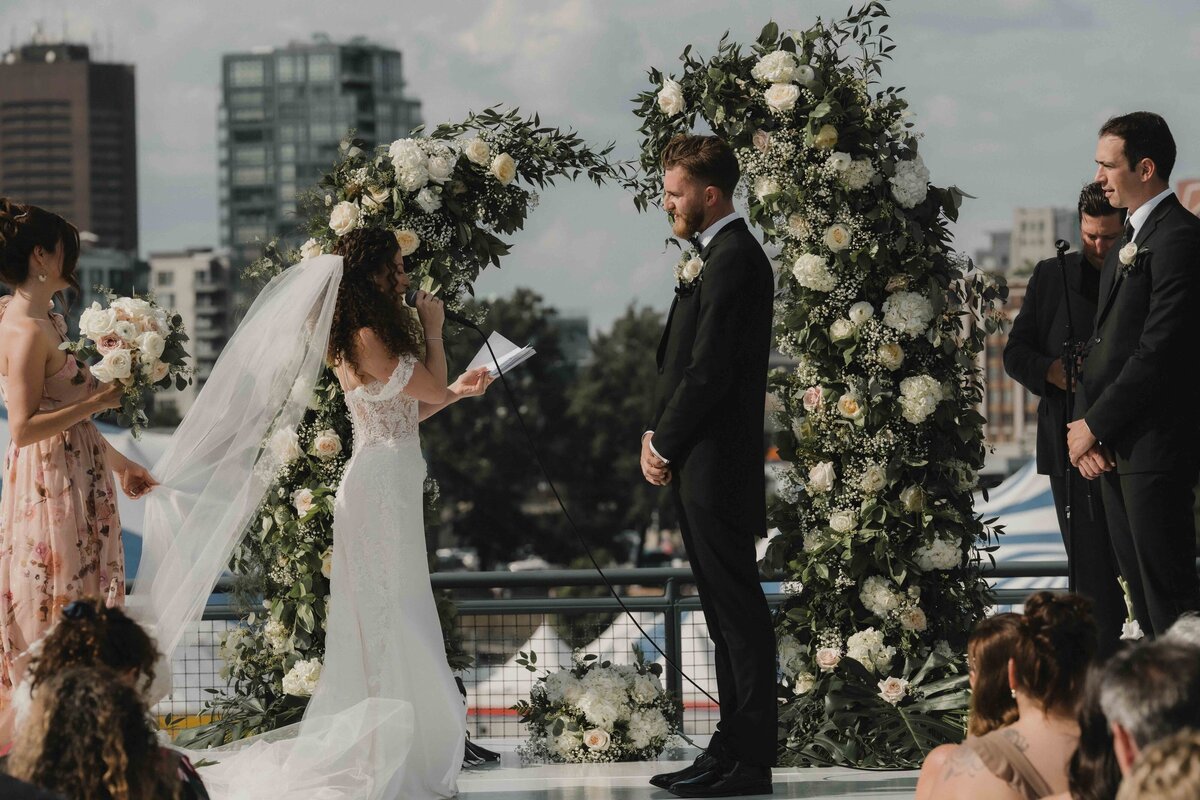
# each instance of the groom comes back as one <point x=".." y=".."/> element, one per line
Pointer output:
<point x="706" y="442"/>
<point x="1140" y="388"/>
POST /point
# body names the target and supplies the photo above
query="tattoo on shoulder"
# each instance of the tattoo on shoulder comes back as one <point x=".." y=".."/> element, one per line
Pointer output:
<point x="1016" y="738"/>
<point x="962" y="762"/>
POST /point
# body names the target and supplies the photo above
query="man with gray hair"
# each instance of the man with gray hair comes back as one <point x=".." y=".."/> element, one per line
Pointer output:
<point x="1149" y="692"/>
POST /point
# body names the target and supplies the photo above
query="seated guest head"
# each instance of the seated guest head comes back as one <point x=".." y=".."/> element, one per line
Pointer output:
<point x="1149" y="692"/>
<point x="88" y="737"/>
<point x="1055" y="644"/>
<point x="92" y="635"/>
<point x="1168" y="770"/>
<point x="988" y="651"/>
<point x="1100" y="225"/>
<point x="1185" y="630"/>
<point x="1093" y="773"/>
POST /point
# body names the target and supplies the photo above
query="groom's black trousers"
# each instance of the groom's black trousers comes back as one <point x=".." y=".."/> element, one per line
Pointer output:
<point x="723" y="560"/>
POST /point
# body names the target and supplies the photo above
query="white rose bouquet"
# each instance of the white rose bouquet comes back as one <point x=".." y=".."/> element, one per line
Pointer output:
<point x="138" y="343"/>
<point x="598" y="711"/>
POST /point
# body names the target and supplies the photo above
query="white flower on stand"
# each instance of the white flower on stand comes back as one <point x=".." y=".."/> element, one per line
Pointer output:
<point x="913" y="498"/>
<point x="821" y="477"/>
<point x="907" y="312"/>
<point x="805" y="75"/>
<point x="326" y="444"/>
<point x="839" y="162"/>
<point x="843" y="521"/>
<point x="310" y="249"/>
<point x="919" y="396"/>
<point x="812" y="272"/>
<point x="477" y="151"/>
<point x="850" y="407"/>
<point x="859" y="174"/>
<point x="912" y="618"/>
<point x="828" y="658"/>
<point x="776" y="67"/>
<point x="670" y="98"/>
<point x="504" y="169"/>
<point x="344" y="218"/>
<point x="873" y="479"/>
<point x="429" y="200"/>
<point x="826" y="137"/>
<point x="303" y="500"/>
<point x="781" y="97"/>
<point x="890" y="355"/>
<point x="646" y="726"/>
<point x="285" y="445"/>
<point x="893" y="690"/>
<point x="276" y="635"/>
<point x="302" y="679"/>
<point x="837" y="237"/>
<point x="910" y="184"/>
<point x="327" y="562"/>
<point x="878" y="597"/>
<point x="804" y="683"/>
<point x="441" y="166"/>
<point x="408" y="240"/>
<point x="861" y="312"/>
<point x="841" y="329"/>
<point x="942" y="553"/>
<point x="867" y="648"/>
<point x="765" y="187"/>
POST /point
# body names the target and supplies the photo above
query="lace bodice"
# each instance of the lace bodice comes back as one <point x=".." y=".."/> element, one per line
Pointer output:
<point x="381" y="412"/>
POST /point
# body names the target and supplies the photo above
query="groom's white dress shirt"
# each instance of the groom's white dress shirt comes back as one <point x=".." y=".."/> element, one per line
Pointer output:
<point x="1138" y="218"/>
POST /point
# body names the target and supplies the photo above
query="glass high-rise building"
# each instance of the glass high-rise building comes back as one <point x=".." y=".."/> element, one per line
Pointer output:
<point x="283" y="112"/>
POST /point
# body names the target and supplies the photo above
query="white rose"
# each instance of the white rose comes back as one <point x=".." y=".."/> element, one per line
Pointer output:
<point x="913" y="498"/>
<point x="429" y="200"/>
<point x="861" y="312"/>
<point x="116" y="364"/>
<point x="440" y="168"/>
<point x="310" y="249"/>
<point x="890" y="355"/>
<point x="848" y="406"/>
<point x="327" y="562"/>
<point x="95" y="321"/>
<point x="814" y="398"/>
<point x="596" y="739"/>
<point x="840" y="162"/>
<point x="761" y="141"/>
<point x="344" y="218"/>
<point x="126" y="330"/>
<point x="804" y="683"/>
<point x="504" y="168"/>
<point x="913" y="619"/>
<point x="826" y="137"/>
<point x="478" y="151"/>
<point x="781" y="97"/>
<point x="373" y="198"/>
<point x="1128" y="253"/>
<point x="285" y="445"/>
<point x="837" y="237"/>
<point x="805" y="75"/>
<point x="798" y="227"/>
<point x="942" y="553"/>
<point x="670" y="98"/>
<point x="151" y="344"/>
<point x="302" y="679"/>
<point x="873" y="479"/>
<point x="326" y="445"/>
<point x="765" y="187"/>
<point x="828" y="658"/>
<point x="878" y="597"/>
<point x="776" y="67"/>
<point x="158" y="371"/>
<point x="691" y="270"/>
<point x="302" y="501"/>
<point x="843" y="521"/>
<point x="408" y="240"/>
<point x="812" y="272"/>
<point x="821" y="477"/>
<point x="893" y="690"/>
<point x="841" y="329"/>
<point x="102" y="373"/>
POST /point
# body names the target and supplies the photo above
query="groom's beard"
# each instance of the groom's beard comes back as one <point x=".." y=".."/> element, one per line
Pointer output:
<point x="686" y="225"/>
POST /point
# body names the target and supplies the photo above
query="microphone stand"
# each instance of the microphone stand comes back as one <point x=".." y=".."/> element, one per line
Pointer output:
<point x="1071" y="351"/>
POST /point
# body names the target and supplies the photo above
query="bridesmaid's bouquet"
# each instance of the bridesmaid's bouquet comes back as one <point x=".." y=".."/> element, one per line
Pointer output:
<point x="138" y="343"/>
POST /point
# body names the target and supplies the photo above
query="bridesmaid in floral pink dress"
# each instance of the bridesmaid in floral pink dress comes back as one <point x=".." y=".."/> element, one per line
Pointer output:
<point x="60" y="536"/>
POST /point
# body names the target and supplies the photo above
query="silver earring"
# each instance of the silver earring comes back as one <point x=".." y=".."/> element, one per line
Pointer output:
<point x="42" y="277"/>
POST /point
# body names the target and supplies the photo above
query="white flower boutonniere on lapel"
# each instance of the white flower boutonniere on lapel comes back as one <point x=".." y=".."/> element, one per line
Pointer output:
<point x="1130" y="255"/>
<point x="688" y="271"/>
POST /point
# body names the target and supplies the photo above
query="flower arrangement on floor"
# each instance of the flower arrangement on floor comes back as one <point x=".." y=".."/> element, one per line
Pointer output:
<point x="882" y="439"/>
<point x="134" y="341"/>
<point x="448" y="197"/>
<point x="597" y="712"/>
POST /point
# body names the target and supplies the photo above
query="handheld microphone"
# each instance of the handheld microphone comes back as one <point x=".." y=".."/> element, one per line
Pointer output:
<point x="410" y="300"/>
<point x="1062" y="246"/>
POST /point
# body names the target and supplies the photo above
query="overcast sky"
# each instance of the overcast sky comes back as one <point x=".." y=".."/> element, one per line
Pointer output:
<point x="1008" y="92"/>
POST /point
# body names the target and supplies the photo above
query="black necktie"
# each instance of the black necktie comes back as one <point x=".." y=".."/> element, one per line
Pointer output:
<point x="1128" y="231"/>
<point x="694" y="241"/>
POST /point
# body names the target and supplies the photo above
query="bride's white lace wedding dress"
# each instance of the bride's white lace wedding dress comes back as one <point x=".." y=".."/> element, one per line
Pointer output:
<point x="386" y="719"/>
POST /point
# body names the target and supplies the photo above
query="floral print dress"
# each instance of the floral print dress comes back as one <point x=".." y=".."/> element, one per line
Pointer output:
<point x="60" y="535"/>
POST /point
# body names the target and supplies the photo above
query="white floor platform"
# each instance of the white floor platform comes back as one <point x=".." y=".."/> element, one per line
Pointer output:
<point x="510" y="780"/>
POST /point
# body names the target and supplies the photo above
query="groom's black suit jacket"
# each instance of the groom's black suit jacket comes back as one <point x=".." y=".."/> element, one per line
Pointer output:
<point x="712" y="380"/>
<point x="1140" y="386"/>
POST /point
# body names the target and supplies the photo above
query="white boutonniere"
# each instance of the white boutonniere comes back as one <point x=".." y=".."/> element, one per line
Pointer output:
<point x="689" y="269"/>
<point x="1129" y="255"/>
<point x="1131" y="630"/>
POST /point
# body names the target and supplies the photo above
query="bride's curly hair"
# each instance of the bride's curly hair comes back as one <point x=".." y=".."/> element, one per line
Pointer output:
<point x="89" y="737"/>
<point x="367" y="253"/>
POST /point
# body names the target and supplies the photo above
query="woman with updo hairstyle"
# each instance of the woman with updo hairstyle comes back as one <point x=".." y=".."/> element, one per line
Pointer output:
<point x="60" y="534"/>
<point x="1055" y="644"/>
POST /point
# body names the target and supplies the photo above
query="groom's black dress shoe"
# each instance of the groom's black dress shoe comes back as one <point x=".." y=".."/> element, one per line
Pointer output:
<point x="736" y="780"/>
<point x="703" y="763"/>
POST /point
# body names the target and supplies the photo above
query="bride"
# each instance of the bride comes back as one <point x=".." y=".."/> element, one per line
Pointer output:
<point x="386" y="719"/>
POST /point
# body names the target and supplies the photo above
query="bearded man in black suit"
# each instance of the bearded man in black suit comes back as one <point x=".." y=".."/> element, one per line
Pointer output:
<point x="1138" y="429"/>
<point x="706" y="443"/>
<point x="1033" y="356"/>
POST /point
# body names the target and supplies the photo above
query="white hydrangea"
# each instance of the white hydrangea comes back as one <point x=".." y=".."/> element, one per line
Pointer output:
<point x="919" y="396"/>
<point x="867" y="648"/>
<point x="907" y="312"/>
<point x="602" y="709"/>
<point x="878" y="597"/>
<point x="812" y="272"/>
<point x="859" y="174"/>
<point x="411" y="164"/>
<point x="943" y="552"/>
<point x="777" y="67"/>
<point x="910" y="184"/>
<point x="302" y="679"/>
<point x="646" y="726"/>
<point x="276" y="635"/>
<point x="562" y="687"/>
<point x="285" y="445"/>
<point x="645" y="689"/>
